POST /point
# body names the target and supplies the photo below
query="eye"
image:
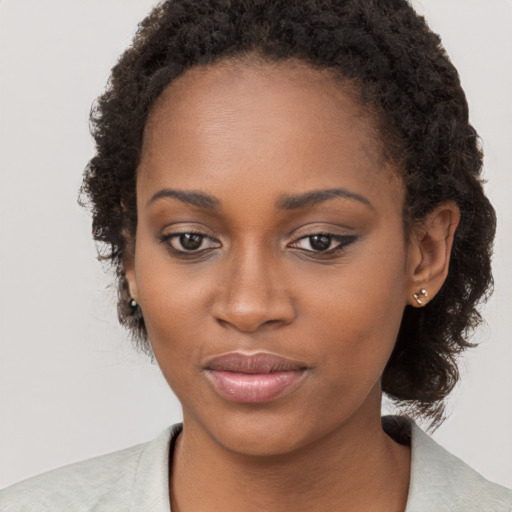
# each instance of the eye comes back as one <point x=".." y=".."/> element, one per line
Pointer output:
<point x="323" y="242"/>
<point x="189" y="242"/>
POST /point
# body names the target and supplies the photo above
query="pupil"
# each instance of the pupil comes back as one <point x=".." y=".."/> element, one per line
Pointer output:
<point x="320" y="242"/>
<point x="190" y="241"/>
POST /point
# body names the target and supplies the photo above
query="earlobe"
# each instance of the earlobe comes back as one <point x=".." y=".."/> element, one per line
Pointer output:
<point x="421" y="297"/>
<point x="430" y="251"/>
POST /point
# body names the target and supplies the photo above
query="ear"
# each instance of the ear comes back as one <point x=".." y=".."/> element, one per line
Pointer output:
<point x="129" y="254"/>
<point x="429" y="252"/>
<point x="129" y="272"/>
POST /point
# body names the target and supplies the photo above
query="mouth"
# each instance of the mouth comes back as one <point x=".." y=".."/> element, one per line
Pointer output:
<point x="254" y="378"/>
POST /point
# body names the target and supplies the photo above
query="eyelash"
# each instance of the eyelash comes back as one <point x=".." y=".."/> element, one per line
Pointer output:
<point x="343" y="242"/>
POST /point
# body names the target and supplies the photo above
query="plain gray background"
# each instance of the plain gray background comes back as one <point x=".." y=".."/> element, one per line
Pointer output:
<point x="71" y="386"/>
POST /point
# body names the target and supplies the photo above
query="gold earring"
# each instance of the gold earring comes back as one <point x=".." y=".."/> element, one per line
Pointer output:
<point x="421" y="297"/>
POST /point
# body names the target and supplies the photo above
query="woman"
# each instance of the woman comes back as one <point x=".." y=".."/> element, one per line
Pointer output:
<point x="290" y="194"/>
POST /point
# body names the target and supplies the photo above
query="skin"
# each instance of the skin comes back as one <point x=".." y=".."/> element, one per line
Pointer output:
<point x="248" y="133"/>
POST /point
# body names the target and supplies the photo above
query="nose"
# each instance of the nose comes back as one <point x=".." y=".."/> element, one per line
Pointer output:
<point x="252" y="294"/>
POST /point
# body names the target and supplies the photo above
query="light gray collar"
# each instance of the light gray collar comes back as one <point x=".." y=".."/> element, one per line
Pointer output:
<point x="440" y="482"/>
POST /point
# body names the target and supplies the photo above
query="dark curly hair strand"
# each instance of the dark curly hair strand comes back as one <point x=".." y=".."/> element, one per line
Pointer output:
<point x="402" y="75"/>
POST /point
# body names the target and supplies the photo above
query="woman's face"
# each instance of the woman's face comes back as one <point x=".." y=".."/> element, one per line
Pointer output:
<point x="269" y="232"/>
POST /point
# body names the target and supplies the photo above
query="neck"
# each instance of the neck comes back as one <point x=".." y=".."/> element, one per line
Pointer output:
<point x="355" y="467"/>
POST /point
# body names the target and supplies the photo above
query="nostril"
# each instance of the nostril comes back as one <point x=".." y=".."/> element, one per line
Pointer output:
<point x="252" y="317"/>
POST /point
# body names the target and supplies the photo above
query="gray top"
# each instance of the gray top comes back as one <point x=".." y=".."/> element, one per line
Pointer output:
<point x="136" y="479"/>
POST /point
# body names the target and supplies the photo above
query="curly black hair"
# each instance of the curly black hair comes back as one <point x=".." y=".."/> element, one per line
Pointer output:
<point x="402" y="75"/>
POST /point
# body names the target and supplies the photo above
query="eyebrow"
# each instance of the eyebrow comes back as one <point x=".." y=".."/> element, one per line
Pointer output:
<point x="190" y="197"/>
<point x="292" y="202"/>
<point x="285" y="202"/>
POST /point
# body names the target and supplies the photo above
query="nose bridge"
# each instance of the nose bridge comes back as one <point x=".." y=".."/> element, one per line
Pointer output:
<point x="251" y="275"/>
<point x="253" y="289"/>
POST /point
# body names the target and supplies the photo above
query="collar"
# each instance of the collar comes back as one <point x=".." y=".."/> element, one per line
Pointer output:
<point x="440" y="481"/>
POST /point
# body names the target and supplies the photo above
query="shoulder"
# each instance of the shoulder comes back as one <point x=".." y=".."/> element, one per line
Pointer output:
<point x="442" y="482"/>
<point x="75" y="487"/>
<point x="108" y="482"/>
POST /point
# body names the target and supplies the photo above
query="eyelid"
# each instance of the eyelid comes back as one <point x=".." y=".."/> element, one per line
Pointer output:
<point x="321" y="228"/>
<point x="181" y="228"/>
<point x="175" y="234"/>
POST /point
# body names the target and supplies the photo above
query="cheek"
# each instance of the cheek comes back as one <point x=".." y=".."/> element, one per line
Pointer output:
<point x="356" y="312"/>
<point x="172" y="302"/>
<point x="172" y="321"/>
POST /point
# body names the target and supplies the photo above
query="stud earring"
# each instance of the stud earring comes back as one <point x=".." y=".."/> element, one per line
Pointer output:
<point x="421" y="297"/>
<point x="133" y="304"/>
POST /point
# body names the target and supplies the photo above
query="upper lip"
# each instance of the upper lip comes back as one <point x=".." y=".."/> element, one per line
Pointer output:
<point x="261" y="362"/>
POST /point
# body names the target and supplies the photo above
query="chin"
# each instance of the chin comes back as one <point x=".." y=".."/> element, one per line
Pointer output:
<point x="263" y="430"/>
<point x="267" y="438"/>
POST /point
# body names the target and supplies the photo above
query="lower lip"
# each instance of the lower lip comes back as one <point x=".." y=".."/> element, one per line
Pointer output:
<point x="253" y="387"/>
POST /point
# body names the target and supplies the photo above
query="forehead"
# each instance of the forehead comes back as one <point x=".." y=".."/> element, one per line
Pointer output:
<point x="261" y="92"/>
<point x="285" y="121"/>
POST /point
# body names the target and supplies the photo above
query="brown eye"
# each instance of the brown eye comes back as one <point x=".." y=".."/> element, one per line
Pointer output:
<point x="323" y="243"/>
<point x="190" y="241"/>
<point x="320" y="242"/>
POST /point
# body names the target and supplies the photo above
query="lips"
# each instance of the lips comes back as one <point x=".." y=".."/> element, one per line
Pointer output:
<point x="253" y="378"/>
